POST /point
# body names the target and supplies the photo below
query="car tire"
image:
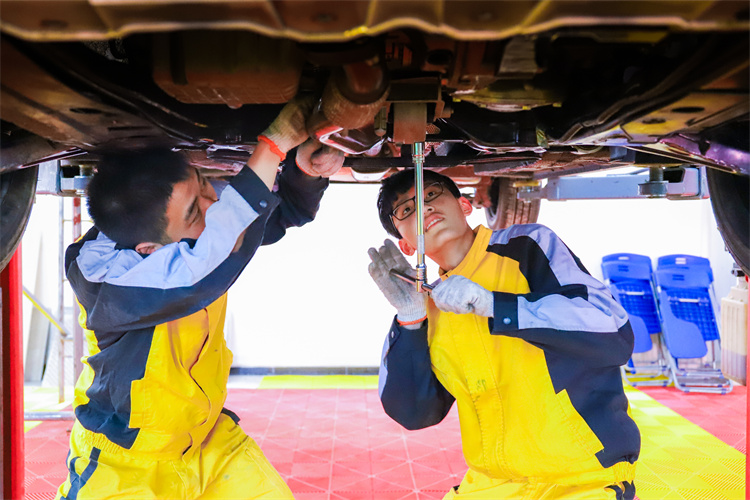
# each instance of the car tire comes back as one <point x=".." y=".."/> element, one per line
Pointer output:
<point x="17" y="189"/>
<point x="729" y="199"/>
<point x="505" y="208"/>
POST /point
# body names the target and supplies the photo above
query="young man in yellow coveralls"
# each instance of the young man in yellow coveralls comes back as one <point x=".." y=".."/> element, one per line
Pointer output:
<point x="151" y="278"/>
<point x="519" y="334"/>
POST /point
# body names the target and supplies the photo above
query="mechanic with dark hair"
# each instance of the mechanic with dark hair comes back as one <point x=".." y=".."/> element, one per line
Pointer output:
<point x="151" y="278"/>
<point x="518" y="334"/>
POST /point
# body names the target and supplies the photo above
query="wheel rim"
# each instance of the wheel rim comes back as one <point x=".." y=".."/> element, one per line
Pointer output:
<point x="729" y="199"/>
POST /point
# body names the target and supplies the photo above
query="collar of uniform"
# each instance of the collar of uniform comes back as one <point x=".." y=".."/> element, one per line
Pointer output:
<point x="481" y="240"/>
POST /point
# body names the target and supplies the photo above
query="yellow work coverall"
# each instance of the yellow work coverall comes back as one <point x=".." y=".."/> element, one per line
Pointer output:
<point x="150" y="421"/>
<point x="540" y="397"/>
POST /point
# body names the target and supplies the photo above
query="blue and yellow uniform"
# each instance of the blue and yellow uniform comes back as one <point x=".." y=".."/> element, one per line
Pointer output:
<point x="149" y="402"/>
<point x="540" y="397"/>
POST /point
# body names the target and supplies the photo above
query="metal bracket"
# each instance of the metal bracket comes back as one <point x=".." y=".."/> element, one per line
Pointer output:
<point x="64" y="177"/>
<point x="682" y="183"/>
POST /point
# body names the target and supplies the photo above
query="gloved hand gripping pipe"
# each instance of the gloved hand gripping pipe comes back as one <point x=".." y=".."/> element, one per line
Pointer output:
<point x="352" y="97"/>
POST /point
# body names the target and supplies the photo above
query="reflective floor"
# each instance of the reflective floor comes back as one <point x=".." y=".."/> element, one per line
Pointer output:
<point x="330" y="439"/>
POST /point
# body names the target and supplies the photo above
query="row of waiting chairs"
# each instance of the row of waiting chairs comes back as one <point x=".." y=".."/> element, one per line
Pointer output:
<point x="673" y="318"/>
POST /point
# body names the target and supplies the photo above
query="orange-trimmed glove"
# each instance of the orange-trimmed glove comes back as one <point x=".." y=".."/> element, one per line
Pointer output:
<point x="288" y="130"/>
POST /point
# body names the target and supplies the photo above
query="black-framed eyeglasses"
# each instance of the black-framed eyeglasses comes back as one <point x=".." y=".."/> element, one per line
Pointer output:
<point x="406" y="208"/>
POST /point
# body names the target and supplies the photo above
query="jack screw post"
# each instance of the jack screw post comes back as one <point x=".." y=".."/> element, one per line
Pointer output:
<point x="418" y="160"/>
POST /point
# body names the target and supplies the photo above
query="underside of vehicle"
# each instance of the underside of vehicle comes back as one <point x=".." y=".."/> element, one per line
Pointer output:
<point x="503" y="94"/>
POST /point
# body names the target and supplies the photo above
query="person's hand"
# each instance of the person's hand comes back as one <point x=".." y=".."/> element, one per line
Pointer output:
<point x="319" y="160"/>
<point x="288" y="130"/>
<point x="460" y="295"/>
<point x="409" y="303"/>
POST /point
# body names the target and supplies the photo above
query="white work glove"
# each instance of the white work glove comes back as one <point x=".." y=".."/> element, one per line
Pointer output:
<point x="460" y="295"/>
<point x="409" y="303"/>
<point x="288" y="130"/>
<point x="318" y="160"/>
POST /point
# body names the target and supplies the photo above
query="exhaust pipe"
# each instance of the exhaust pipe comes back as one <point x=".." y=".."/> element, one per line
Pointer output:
<point x="345" y="114"/>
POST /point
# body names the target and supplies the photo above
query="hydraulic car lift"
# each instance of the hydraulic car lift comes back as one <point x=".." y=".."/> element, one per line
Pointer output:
<point x="11" y="378"/>
<point x="676" y="183"/>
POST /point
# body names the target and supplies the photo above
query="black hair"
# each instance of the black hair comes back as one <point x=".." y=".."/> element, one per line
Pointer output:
<point x="129" y="193"/>
<point x="397" y="184"/>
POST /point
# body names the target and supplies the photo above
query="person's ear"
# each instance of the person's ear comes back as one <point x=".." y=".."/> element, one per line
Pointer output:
<point x="466" y="206"/>
<point x="147" y="248"/>
<point x="406" y="247"/>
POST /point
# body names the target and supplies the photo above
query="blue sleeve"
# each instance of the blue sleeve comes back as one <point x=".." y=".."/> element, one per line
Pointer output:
<point x="122" y="290"/>
<point x="299" y="195"/>
<point x="409" y="391"/>
<point x="567" y="311"/>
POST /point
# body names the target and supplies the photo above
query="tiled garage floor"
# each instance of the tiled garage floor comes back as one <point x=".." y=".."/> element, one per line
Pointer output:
<point x="336" y="443"/>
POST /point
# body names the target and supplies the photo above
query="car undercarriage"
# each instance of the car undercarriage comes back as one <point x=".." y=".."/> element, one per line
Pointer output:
<point x="503" y="94"/>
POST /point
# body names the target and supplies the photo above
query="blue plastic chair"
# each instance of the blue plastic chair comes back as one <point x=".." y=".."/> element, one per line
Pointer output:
<point x="684" y="260"/>
<point x="689" y="323"/>
<point x="633" y="276"/>
<point x="629" y="277"/>
<point x="687" y="293"/>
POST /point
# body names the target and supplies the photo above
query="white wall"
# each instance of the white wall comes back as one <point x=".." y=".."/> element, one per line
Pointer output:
<point x="41" y="276"/>
<point x="308" y="300"/>
<point x="593" y="229"/>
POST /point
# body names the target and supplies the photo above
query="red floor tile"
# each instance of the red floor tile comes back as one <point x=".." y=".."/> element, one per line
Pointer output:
<point x="393" y="483"/>
<point x="333" y="444"/>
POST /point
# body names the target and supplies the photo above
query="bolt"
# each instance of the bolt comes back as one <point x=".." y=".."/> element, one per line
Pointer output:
<point x="381" y="122"/>
<point x="655" y="174"/>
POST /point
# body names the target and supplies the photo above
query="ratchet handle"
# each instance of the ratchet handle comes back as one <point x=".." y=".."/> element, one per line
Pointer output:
<point x="401" y="275"/>
<point x="409" y="279"/>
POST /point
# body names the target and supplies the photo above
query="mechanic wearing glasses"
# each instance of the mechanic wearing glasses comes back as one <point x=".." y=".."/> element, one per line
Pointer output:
<point x="521" y="336"/>
<point x="151" y="278"/>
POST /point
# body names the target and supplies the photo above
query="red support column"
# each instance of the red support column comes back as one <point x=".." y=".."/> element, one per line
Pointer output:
<point x="11" y="357"/>
<point x="77" y="331"/>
